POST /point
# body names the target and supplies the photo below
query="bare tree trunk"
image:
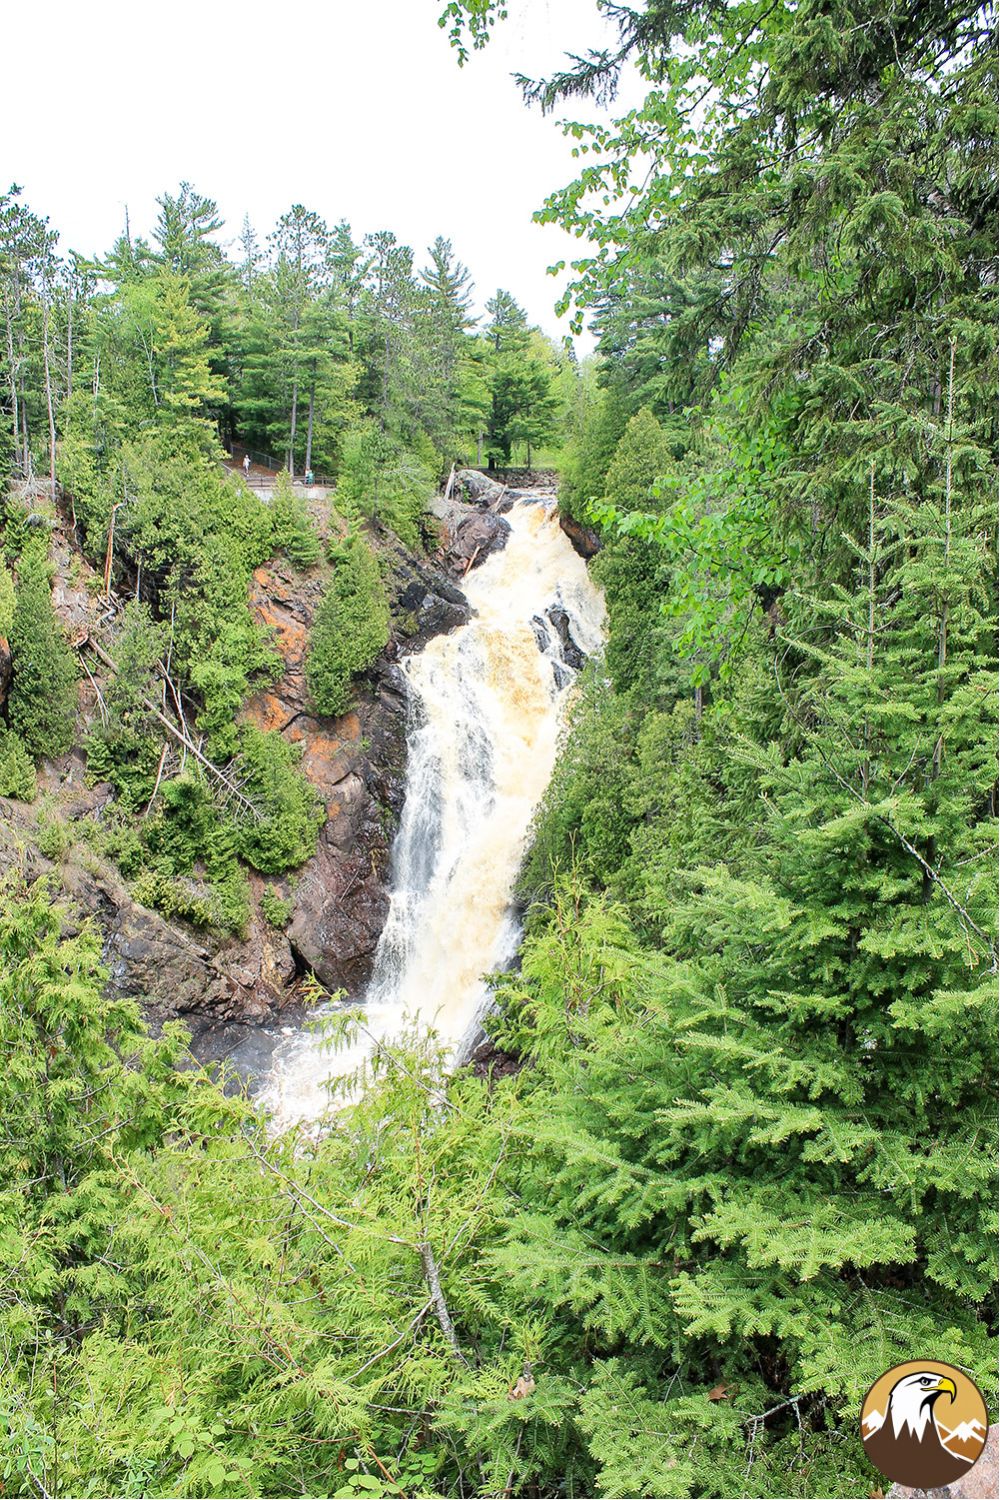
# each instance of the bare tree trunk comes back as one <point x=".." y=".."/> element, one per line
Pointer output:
<point x="870" y="640"/>
<point x="26" y="447"/>
<point x="110" y="550"/>
<point x="479" y="451"/>
<point x="943" y="627"/>
<point x="69" y="346"/>
<point x="12" y="374"/>
<point x="309" y="422"/>
<point x="433" y="1280"/>
<point x="295" y="416"/>
<point x="385" y="377"/>
<point x="46" y="319"/>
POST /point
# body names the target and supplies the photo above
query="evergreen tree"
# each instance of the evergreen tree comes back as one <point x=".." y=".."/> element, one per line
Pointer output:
<point x="293" y="531"/>
<point x="636" y="580"/>
<point x="448" y="322"/>
<point x="351" y="625"/>
<point x="41" y="704"/>
<point x="6" y="601"/>
<point x="522" y="406"/>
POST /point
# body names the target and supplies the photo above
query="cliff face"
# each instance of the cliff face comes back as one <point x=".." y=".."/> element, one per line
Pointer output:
<point x="225" y="989"/>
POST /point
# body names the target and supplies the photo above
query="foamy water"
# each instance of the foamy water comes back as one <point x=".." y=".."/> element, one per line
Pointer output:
<point x="486" y="708"/>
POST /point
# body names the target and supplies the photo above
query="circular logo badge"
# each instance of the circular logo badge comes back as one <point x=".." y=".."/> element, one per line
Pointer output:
<point x="924" y="1424"/>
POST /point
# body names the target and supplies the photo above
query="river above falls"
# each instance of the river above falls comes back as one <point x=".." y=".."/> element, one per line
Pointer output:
<point x="486" y="707"/>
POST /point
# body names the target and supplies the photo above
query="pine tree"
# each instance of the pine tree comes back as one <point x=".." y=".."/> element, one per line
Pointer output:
<point x="522" y="405"/>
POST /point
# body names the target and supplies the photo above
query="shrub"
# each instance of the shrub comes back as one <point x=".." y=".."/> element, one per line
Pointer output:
<point x="275" y="909"/>
<point x="52" y="835"/>
<point x="6" y="600"/>
<point x="292" y="815"/>
<point x="17" y="771"/>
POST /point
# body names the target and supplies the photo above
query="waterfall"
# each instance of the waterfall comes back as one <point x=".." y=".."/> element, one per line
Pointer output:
<point x="486" y="705"/>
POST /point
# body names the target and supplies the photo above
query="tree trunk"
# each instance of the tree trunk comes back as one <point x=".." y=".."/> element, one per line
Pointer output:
<point x="942" y="655"/>
<point x="12" y="374"/>
<point x="69" y="347"/>
<point x="309" y="422"/>
<point x="46" y="318"/>
<point x="295" y="417"/>
<point x="26" y="447"/>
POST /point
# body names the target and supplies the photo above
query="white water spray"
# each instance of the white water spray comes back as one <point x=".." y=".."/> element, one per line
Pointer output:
<point x="486" y="708"/>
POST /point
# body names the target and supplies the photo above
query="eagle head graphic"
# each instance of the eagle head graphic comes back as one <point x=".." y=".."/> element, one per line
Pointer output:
<point x="907" y="1440"/>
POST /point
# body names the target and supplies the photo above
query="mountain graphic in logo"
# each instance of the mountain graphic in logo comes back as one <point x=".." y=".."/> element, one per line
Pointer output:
<point x="924" y="1424"/>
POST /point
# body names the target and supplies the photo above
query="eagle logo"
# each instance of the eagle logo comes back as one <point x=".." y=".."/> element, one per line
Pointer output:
<point x="924" y="1424"/>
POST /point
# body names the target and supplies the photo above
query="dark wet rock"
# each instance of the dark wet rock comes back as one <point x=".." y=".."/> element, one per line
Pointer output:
<point x="472" y="539"/>
<point x="489" y="1061"/>
<point x="543" y="637"/>
<point x="555" y="624"/>
<point x="586" y="542"/>
<point x="425" y="601"/>
<point x="176" y="973"/>
<point x="569" y="650"/>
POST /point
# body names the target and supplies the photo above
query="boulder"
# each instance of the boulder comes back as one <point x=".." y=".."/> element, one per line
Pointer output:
<point x="472" y="539"/>
<point x="477" y="487"/>
<point x="569" y="650"/>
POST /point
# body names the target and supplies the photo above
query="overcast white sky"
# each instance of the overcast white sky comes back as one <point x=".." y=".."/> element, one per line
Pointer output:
<point x="358" y="110"/>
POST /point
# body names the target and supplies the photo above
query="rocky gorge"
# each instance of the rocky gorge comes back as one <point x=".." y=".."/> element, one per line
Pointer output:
<point x="236" y="993"/>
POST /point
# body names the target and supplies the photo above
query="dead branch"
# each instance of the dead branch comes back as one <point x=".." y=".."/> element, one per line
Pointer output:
<point x="159" y="774"/>
<point x="433" y="1279"/>
<point x="183" y="739"/>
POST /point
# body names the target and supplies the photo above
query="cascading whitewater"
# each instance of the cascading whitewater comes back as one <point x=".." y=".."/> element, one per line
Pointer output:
<point x="486" y="707"/>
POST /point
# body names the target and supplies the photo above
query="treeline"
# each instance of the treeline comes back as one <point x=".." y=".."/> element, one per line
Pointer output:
<point x="287" y="346"/>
